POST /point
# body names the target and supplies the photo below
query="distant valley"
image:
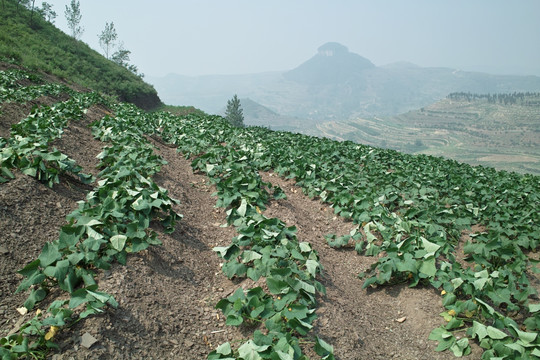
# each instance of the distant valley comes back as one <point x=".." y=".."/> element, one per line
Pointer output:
<point x="335" y="84"/>
<point x="468" y="129"/>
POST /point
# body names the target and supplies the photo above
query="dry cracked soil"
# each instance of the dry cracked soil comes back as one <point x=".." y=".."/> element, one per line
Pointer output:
<point x="167" y="293"/>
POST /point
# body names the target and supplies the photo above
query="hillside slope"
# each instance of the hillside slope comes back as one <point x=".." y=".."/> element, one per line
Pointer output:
<point x="39" y="45"/>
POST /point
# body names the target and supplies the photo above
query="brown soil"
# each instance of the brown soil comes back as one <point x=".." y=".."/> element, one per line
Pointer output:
<point x="167" y="294"/>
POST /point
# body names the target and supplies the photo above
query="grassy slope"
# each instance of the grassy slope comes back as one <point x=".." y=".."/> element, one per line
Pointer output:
<point x="181" y="110"/>
<point x="41" y="46"/>
<point x="479" y="133"/>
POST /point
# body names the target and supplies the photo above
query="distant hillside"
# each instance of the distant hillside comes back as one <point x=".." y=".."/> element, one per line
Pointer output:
<point x="500" y="130"/>
<point x="336" y="84"/>
<point x="333" y="64"/>
<point x="28" y="40"/>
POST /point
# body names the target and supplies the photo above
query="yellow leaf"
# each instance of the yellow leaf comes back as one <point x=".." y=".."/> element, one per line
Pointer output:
<point x="38" y="312"/>
<point x="446" y="316"/>
<point x="258" y="210"/>
<point x="443" y="292"/>
<point x="52" y="331"/>
<point x="452" y="312"/>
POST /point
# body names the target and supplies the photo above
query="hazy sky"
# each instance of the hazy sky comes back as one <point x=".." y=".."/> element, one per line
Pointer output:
<point x="199" y="37"/>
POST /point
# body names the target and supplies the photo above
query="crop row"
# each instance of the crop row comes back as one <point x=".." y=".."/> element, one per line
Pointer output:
<point x="27" y="149"/>
<point x="411" y="212"/>
<point x="112" y="222"/>
<point x="11" y="89"/>
<point x="282" y="310"/>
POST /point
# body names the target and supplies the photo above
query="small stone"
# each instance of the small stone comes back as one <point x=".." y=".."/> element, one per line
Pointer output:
<point x="3" y="250"/>
<point x="88" y="340"/>
<point x="22" y="310"/>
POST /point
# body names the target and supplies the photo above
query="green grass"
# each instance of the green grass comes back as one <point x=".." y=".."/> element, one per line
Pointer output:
<point x="181" y="110"/>
<point x="41" y="46"/>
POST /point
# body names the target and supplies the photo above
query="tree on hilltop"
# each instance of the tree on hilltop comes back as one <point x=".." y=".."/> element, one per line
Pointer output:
<point x="47" y="12"/>
<point x="234" y="113"/>
<point x="107" y="38"/>
<point x="121" y="57"/>
<point x="73" y="17"/>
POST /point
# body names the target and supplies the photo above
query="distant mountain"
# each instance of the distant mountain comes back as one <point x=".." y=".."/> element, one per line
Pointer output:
<point x="333" y="64"/>
<point x="400" y="65"/>
<point x="336" y="84"/>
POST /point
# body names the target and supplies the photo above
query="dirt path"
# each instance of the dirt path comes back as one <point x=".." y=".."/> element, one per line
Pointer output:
<point x="167" y="294"/>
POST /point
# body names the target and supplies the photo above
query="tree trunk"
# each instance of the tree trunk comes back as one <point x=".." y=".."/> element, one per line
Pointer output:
<point x="32" y="13"/>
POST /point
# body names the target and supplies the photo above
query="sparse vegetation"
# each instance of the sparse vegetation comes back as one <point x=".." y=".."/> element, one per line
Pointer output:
<point x="107" y="39"/>
<point x="73" y="17"/>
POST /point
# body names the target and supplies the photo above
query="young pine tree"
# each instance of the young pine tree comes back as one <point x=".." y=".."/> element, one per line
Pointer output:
<point x="233" y="113"/>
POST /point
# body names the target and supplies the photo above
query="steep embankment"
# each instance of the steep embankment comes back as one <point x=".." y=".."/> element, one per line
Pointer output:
<point x="28" y="40"/>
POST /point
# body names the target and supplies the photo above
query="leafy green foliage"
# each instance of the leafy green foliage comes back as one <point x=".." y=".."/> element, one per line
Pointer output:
<point x="265" y="247"/>
<point x="409" y="211"/>
<point x="12" y="90"/>
<point x="28" y="147"/>
<point x="112" y="222"/>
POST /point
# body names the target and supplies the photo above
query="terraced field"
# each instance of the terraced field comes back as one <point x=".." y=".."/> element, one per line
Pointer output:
<point x="506" y="137"/>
